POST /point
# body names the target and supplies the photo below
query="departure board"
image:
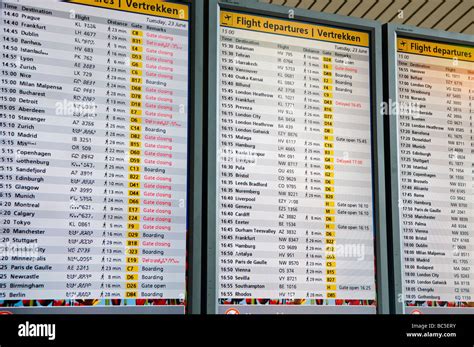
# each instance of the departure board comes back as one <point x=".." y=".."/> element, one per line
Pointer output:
<point x="93" y="171"/>
<point x="294" y="203"/>
<point x="435" y="91"/>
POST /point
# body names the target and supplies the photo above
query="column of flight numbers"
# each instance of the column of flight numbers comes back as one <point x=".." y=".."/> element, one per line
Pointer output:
<point x="88" y="135"/>
<point x="79" y="234"/>
<point x="456" y="79"/>
<point x="286" y="187"/>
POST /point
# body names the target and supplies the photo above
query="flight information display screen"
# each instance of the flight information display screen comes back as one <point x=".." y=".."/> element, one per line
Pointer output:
<point x="295" y="212"/>
<point x="93" y="171"/>
<point x="435" y="91"/>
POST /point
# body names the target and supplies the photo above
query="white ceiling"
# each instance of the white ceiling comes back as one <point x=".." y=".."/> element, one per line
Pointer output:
<point x="449" y="15"/>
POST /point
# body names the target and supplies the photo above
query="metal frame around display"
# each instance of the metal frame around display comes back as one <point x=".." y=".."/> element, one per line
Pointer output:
<point x="375" y="31"/>
<point x="195" y="148"/>
<point x="391" y="32"/>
